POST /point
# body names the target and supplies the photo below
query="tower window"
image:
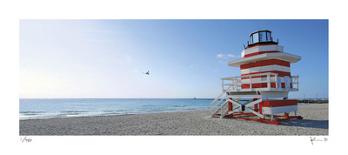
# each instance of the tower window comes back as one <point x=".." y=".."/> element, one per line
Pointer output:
<point x="255" y="37"/>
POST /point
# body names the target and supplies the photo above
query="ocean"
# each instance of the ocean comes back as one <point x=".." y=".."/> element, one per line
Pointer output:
<point x="60" y="108"/>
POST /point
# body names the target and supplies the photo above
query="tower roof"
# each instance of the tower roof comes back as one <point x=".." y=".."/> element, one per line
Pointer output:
<point x="279" y="55"/>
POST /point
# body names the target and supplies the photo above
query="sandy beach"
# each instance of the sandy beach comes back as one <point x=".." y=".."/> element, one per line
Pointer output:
<point x="315" y="122"/>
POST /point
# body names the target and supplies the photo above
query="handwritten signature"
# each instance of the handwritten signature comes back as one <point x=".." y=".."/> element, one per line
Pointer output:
<point x="26" y="139"/>
<point x="316" y="139"/>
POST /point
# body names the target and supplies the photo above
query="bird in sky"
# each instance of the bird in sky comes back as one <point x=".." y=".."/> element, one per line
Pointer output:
<point x="147" y="73"/>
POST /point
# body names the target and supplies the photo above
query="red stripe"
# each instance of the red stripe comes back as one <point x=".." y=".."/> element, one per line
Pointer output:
<point x="265" y="63"/>
<point x="261" y="85"/>
<point x="261" y="44"/>
<point x="280" y="73"/>
<point x="258" y="53"/>
<point x="253" y="77"/>
<point x="278" y="103"/>
<point x="262" y="76"/>
<point x="260" y="108"/>
<point x="254" y="85"/>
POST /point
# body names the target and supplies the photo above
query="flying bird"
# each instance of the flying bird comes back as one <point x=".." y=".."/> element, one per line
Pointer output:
<point x="147" y="73"/>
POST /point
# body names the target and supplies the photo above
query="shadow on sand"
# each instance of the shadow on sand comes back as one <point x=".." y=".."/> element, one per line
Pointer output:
<point x="320" y="124"/>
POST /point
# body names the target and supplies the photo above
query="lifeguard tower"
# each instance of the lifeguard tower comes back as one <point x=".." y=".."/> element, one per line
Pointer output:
<point x="260" y="93"/>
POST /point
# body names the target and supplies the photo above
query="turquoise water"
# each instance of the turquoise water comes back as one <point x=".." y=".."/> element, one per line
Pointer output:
<point x="52" y="108"/>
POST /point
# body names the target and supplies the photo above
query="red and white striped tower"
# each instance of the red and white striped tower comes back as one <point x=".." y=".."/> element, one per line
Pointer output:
<point x="260" y="93"/>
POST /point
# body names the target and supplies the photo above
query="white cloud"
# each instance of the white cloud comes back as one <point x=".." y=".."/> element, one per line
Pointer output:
<point x="231" y="55"/>
<point x="224" y="56"/>
<point x="220" y="56"/>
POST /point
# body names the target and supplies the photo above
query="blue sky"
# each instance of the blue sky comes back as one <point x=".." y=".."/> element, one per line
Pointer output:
<point x="186" y="58"/>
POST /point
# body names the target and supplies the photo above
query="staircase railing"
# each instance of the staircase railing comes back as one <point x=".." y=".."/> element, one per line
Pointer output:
<point x="222" y="109"/>
<point x="221" y="97"/>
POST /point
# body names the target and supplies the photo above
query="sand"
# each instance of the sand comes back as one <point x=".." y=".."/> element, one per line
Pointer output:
<point x="315" y="122"/>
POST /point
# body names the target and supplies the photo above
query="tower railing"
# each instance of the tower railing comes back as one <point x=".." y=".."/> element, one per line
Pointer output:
<point x="260" y="82"/>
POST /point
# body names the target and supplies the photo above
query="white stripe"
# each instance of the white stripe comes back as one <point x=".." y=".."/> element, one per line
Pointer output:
<point x="257" y="80"/>
<point x="265" y="68"/>
<point x="277" y="110"/>
<point x="263" y="48"/>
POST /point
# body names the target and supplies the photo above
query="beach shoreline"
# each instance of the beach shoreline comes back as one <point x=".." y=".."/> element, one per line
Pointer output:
<point x="197" y="122"/>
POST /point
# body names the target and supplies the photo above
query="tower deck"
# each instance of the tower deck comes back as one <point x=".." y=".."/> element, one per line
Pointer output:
<point x="259" y="83"/>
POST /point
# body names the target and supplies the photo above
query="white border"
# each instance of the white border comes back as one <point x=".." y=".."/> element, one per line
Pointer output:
<point x="12" y="11"/>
